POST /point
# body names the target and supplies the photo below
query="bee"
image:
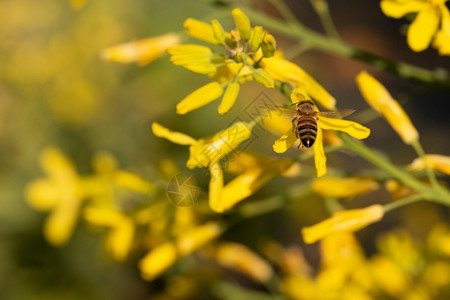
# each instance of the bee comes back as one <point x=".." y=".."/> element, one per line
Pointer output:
<point x="304" y="122"/>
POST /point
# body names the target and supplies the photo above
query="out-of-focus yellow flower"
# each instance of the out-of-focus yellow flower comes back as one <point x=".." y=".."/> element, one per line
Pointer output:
<point x="300" y="287"/>
<point x="121" y="230"/>
<point x="379" y="98"/>
<point x="435" y="161"/>
<point x="60" y="193"/>
<point x="343" y="221"/>
<point x="208" y="151"/>
<point x="343" y="266"/>
<point x="388" y="276"/>
<point x="253" y="172"/>
<point x="439" y="240"/>
<point x="197" y="237"/>
<point x="141" y="51"/>
<point x="398" y="190"/>
<point x="242" y="259"/>
<point x="351" y="128"/>
<point x="430" y="13"/>
<point x="77" y="3"/>
<point x="343" y="187"/>
<point x="158" y="260"/>
<point x="286" y="71"/>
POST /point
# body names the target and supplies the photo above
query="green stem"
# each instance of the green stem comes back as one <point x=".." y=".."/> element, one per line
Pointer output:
<point x="402" y="202"/>
<point x="428" y="193"/>
<point x="431" y="176"/>
<point x="323" y="11"/>
<point x="319" y="41"/>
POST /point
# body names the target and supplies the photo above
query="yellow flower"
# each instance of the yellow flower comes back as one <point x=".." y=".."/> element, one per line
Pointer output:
<point x="435" y="161"/>
<point x="158" y="260"/>
<point x="141" y="51"/>
<point x="253" y="173"/>
<point x="200" y="97"/>
<point x="343" y="221"/>
<point x="442" y="39"/>
<point x="191" y="240"/>
<point x="242" y="259"/>
<point x="121" y="230"/>
<point x="208" y="151"/>
<point x="379" y="98"/>
<point x="343" y="187"/>
<point x="286" y="71"/>
<point x="195" y="58"/>
<point x="242" y="23"/>
<point x="351" y="128"/>
<point x="200" y="30"/>
<point x="426" y="23"/>
<point x="388" y="276"/>
<point x="60" y="193"/>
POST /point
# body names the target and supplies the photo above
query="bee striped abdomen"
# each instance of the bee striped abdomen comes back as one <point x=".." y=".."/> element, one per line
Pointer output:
<point x="307" y="131"/>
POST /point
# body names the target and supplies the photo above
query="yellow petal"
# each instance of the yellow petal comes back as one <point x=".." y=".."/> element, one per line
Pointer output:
<point x="262" y="77"/>
<point x="158" y="260"/>
<point x="229" y="98"/>
<point x="200" y="97"/>
<point x="120" y="239"/>
<point x="42" y="194"/>
<point x="320" y="160"/>
<point x="251" y="181"/>
<point x="285" y="142"/>
<point x="351" y="128"/>
<point x="141" y="51"/>
<point x="104" y="163"/>
<point x="379" y="98"/>
<point x="268" y="45"/>
<point x="61" y="222"/>
<point x="200" y="30"/>
<point x="56" y="164"/>
<point x="435" y="161"/>
<point x="343" y="187"/>
<point x="423" y="28"/>
<point x="397" y="9"/>
<point x="284" y="70"/>
<point x="173" y="136"/>
<point x="442" y="39"/>
<point x="257" y="38"/>
<point x="210" y="150"/>
<point x="242" y="23"/>
<point x="215" y="188"/>
<point x="343" y="221"/>
<point x="218" y="31"/>
<point x="389" y="276"/>
<point x="240" y="258"/>
<point x="197" y="237"/>
<point x="133" y="182"/>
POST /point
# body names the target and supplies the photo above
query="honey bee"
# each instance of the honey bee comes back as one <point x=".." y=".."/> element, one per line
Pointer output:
<point x="304" y="122"/>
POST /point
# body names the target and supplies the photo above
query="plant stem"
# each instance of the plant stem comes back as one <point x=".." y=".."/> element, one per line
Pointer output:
<point x="323" y="11"/>
<point x="431" y="176"/>
<point x="312" y="39"/>
<point x="402" y="202"/>
<point x="428" y="193"/>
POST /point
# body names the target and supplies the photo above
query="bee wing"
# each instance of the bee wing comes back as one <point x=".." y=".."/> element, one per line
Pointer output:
<point x="336" y="114"/>
<point x="286" y="112"/>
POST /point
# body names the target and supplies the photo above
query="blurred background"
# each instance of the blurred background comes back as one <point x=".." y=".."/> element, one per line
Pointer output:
<point x="56" y="91"/>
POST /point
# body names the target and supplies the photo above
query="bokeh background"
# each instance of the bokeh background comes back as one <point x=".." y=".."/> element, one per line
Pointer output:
<point x="55" y="90"/>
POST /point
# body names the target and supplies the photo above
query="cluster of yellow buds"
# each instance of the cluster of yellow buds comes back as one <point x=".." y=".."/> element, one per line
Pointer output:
<point x="243" y="49"/>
